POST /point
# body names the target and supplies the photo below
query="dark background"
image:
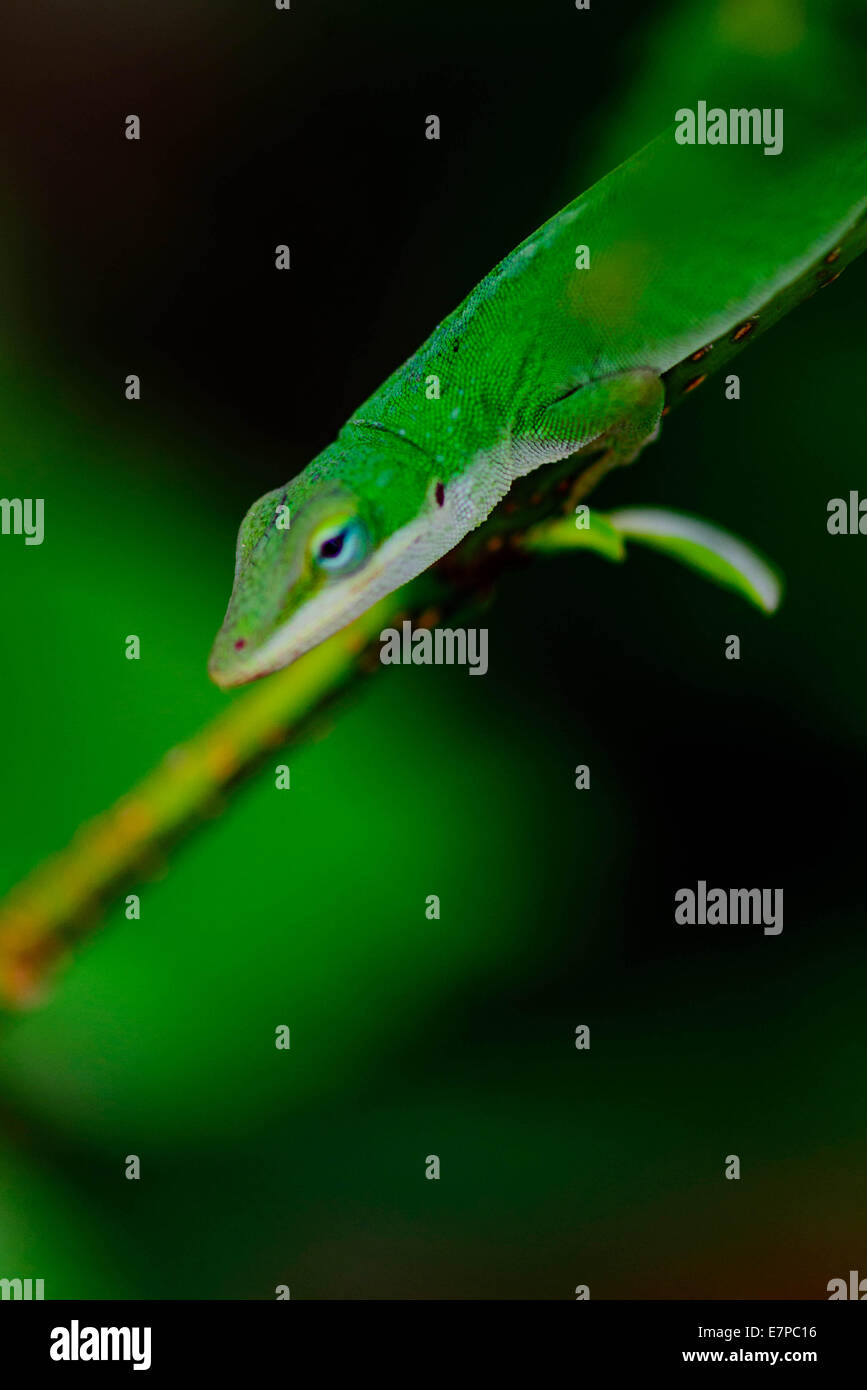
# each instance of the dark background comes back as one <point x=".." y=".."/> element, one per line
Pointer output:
<point x="409" y="1037"/>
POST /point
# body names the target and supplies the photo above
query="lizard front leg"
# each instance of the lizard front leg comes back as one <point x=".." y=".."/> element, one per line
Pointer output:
<point x="622" y="411"/>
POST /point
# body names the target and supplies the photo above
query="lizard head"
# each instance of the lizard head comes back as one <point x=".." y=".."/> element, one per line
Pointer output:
<point x="359" y="521"/>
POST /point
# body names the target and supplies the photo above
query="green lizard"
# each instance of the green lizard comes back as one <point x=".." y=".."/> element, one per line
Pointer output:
<point x="566" y="356"/>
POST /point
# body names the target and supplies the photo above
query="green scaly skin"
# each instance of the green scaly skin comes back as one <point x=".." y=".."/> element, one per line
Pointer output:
<point x="694" y="251"/>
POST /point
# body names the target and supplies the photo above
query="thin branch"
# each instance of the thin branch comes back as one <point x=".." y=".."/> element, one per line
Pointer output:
<point x="46" y="912"/>
<point x="59" y="901"/>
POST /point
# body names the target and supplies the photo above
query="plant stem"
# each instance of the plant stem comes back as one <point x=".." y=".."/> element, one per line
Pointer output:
<point x="40" y="917"/>
<point x="59" y="901"/>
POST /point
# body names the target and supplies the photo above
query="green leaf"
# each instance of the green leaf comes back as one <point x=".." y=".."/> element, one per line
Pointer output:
<point x="715" y="553"/>
<point x="563" y="534"/>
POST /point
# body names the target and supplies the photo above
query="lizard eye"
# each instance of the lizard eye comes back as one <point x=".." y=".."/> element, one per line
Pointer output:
<point x="341" y="546"/>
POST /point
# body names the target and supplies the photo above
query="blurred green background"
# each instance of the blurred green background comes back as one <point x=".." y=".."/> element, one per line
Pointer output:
<point x="262" y="1167"/>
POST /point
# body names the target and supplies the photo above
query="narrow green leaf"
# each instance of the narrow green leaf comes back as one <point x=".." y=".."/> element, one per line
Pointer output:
<point x="715" y="553"/>
<point x="563" y="534"/>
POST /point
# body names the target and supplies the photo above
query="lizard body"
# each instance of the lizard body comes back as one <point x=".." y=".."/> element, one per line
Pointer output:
<point x="690" y="253"/>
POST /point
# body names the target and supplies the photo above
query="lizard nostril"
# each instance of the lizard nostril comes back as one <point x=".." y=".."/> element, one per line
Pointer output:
<point x="239" y="644"/>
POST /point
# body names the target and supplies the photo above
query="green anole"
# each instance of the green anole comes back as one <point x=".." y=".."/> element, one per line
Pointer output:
<point x="565" y="357"/>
